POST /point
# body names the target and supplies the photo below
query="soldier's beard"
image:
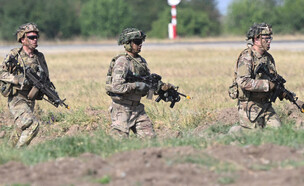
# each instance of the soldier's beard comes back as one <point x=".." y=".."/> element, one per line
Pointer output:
<point x="32" y="46"/>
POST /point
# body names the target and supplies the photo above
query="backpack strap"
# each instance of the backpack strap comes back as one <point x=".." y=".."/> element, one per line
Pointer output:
<point x="112" y="63"/>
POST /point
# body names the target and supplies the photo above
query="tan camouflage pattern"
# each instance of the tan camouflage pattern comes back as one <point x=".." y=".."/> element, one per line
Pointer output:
<point x="26" y="124"/>
<point x="266" y="30"/>
<point x="122" y="65"/>
<point x="126" y="117"/>
<point x="250" y="110"/>
<point x="255" y="91"/>
<point x="134" y="118"/>
<point x="22" y="57"/>
<point x="248" y="60"/>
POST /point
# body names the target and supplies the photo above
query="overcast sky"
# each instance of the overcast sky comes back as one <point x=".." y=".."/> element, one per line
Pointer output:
<point x="223" y="5"/>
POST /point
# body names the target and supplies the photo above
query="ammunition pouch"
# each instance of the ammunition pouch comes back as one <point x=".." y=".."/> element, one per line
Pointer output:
<point x="109" y="80"/>
<point x="233" y="91"/>
<point x="6" y="88"/>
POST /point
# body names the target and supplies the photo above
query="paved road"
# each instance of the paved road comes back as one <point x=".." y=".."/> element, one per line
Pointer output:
<point x="47" y="48"/>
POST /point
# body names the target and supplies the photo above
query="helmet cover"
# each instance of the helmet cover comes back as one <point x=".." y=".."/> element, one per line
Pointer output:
<point x="26" y="28"/>
<point x="130" y="34"/>
<point x="259" y="29"/>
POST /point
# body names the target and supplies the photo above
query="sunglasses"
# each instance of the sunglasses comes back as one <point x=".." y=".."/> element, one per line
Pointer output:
<point x="137" y="41"/>
<point x="32" y="37"/>
<point x="267" y="38"/>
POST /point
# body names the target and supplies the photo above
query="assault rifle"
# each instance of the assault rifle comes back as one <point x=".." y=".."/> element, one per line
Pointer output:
<point x="154" y="81"/>
<point x="46" y="87"/>
<point x="279" y="89"/>
<point x="42" y="83"/>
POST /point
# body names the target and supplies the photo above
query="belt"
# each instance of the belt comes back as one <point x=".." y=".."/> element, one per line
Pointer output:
<point x="127" y="102"/>
<point x="260" y="100"/>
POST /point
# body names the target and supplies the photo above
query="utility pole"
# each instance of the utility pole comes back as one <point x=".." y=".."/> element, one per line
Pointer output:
<point x="172" y="26"/>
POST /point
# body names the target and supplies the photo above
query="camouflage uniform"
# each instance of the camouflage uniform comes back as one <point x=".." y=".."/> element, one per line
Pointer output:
<point x="17" y="91"/>
<point x="254" y="106"/>
<point x="127" y="113"/>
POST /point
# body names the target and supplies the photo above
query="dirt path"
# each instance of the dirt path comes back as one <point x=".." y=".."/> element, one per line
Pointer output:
<point x="249" y="165"/>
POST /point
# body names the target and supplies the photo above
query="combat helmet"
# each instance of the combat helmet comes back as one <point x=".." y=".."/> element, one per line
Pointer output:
<point x="25" y="28"/>
<point x="259" y="29"/>
<point x="130" y="34"/>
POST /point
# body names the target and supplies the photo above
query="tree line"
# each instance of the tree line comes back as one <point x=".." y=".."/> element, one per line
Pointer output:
<point x="65" y="19"/>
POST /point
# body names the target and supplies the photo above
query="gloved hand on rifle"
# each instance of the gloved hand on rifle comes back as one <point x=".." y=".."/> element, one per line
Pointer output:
<point x="167" y="86"/>
<point x="141" y="86"/>
<point x="271" y="86"/>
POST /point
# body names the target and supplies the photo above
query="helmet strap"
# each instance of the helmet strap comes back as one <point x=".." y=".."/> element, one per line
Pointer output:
<point x="128" y="47"/>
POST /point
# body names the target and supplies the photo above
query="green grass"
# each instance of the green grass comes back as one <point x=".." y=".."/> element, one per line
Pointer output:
<point x="104" y="180"/>
<point x="98" y="143"/>
<point x="102" y="144"/>
<point x="226" y="180"/>
<point x="287" y="135"/>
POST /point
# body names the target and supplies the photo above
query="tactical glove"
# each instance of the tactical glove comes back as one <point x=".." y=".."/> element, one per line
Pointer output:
<point x="141" y="86"/>
<point x="167" y="86"/>
<point x="271" y="85"/>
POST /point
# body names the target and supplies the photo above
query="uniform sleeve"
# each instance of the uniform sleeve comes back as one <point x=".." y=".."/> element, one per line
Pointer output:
<point x="120" y="70"/>
<point x="244" y="76"/>
<point x="6" y="76"/>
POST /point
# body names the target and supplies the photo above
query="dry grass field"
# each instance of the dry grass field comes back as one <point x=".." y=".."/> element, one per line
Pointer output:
<point x="201" y="72"/>
<point x="72" y="147"/>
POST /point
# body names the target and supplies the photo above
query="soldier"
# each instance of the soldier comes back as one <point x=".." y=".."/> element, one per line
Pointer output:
<point x="21" y="94"/>
<point x="127" y="113"/>
<point x="255" y="109"/>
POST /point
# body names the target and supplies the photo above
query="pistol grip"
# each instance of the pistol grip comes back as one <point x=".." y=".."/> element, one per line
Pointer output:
<point x="150" y="94"/>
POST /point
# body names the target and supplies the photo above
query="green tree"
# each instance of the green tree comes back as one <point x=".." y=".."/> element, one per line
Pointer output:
<point x="13" y="13"/>
<point x="290" y="18"/>
<point x="104" y="18"/>
<point x="144" y="12"/>
<point x="195" y="23"/>
<point x="160" y="26"/>
<point x="208" y="6"/>
<point x="55" y="19"/>
<point x="243" y="13"/>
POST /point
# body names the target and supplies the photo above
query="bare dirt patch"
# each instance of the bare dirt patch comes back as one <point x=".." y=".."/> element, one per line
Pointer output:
<point x="267" y="164"/>
<point x="166" y="166"/>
